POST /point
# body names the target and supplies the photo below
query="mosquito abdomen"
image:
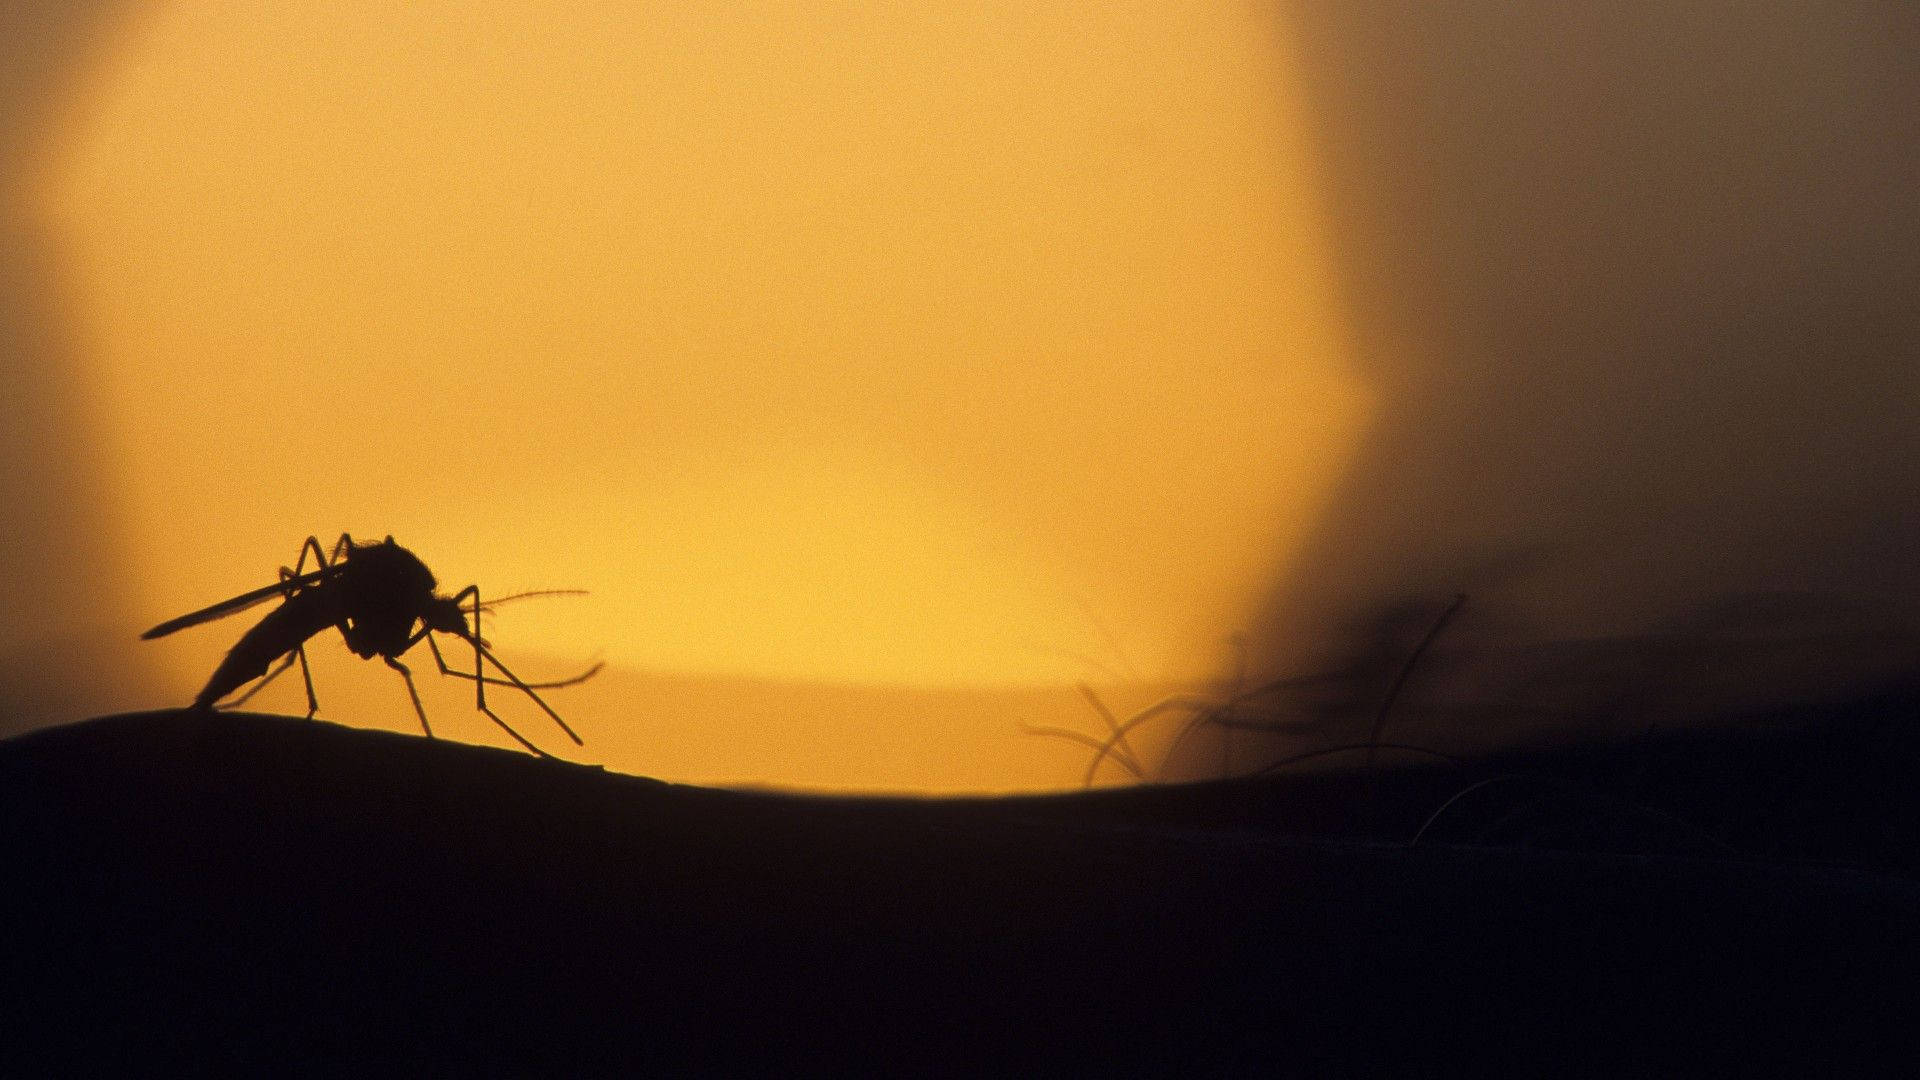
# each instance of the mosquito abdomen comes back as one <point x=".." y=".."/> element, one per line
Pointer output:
<point x="283" y="630"/>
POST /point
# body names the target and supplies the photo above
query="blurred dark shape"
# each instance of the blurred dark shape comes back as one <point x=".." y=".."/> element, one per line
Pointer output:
<point x="283" y="897"/>
<point x="57" y="543"/>
<point x="1634" y="286"/>
<point x="1488" y="683"/>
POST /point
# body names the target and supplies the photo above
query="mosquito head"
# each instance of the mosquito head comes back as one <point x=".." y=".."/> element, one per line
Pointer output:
<point x="446" y="615"/>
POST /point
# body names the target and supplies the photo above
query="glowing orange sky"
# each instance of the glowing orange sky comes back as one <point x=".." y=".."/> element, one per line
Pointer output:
<point x="925" y="345"/>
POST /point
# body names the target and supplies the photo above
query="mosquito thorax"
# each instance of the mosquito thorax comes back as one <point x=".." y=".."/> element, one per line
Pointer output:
<point x="390" y="569"/>
<point x="385" y="588"/>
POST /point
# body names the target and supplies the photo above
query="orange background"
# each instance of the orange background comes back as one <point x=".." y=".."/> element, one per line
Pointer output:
<point x="851" y="356"/>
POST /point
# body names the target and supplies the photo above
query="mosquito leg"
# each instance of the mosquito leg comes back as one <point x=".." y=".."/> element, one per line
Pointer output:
<point x="481" y="657"/>
<point x="549" y="684"/>
<point x="341" y="548"/>
<point x="412" y="693"/>
<point x="517" y="737"/>
<point x="479" y="685"/>
<point x="285" y="662"/>
<point x="553" y="684"/>
<point x="313" y="703"/>
<point x="491" y="715"/>
<point x="481" y="680"/>
<point x="521" y="685"/>
<point x="312" y="543"/>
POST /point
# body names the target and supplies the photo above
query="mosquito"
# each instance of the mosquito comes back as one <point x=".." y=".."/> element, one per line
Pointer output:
<point x="375" y="594"/>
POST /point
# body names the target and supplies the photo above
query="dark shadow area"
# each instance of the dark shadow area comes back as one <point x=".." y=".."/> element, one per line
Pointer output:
<point x="1634" y="286"/>
<point x="276" y="895"/>
<point x="58" y="575"/>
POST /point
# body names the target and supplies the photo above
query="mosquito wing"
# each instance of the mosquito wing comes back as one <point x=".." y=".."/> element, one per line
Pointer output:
<point x="240" y="603"/>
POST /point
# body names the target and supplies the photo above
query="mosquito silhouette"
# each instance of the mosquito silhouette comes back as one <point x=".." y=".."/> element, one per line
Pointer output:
<point x="375" y="594"/>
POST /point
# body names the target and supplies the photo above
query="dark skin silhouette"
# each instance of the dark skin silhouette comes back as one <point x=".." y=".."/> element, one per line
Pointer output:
<point x="375" y="595"/>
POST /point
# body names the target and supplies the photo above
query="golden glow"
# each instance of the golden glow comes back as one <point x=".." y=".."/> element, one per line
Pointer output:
<point x="913" y="345"/>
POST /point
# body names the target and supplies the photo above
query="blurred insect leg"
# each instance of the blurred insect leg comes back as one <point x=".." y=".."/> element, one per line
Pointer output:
<point x="340" y="546"/>
<point x="1122" y="749"/>
<point x="418" y="708"/>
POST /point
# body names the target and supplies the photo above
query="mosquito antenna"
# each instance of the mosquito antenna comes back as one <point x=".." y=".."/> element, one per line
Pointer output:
<point x="498" y="600"/>
<point x="1199" y="717"/>
<point x="1080" y="737"/>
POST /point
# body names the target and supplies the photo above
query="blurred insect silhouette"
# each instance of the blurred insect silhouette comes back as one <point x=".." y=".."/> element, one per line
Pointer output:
<point x="375" y="594"/>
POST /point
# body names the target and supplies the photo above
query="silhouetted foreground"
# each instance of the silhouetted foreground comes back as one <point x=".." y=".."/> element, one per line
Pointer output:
<point x="252" y="893"/>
